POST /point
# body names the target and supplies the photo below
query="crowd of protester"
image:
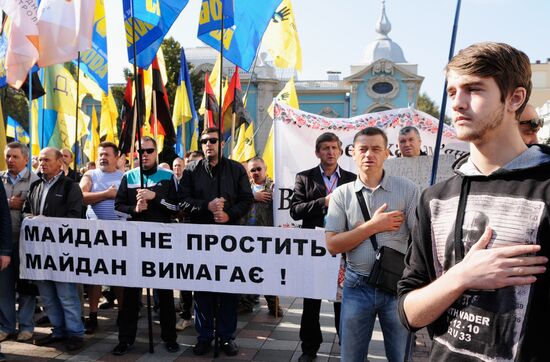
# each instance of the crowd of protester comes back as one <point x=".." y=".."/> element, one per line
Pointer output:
<point x="359" y="209"/>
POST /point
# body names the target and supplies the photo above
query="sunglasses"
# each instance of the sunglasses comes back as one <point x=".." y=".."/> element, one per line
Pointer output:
<point x="257" y="169"/>
<point x="146" y="150"/>
<point x="533" y="123"/>
<point x="212" y="141"/>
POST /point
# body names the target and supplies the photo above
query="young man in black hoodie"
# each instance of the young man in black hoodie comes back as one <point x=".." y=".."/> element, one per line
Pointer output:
<point x="484" y="298"/>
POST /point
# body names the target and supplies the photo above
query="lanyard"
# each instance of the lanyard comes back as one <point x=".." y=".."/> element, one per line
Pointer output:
<point x="330" y="185"/>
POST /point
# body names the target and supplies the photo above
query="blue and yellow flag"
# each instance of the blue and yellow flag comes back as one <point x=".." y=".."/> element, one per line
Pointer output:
<point x="16" y="131"/>
<point x="57" y="123"/>
<point x="210" y="17"/>
<point x="149" y="36"/>
<point x="148" y="11"/>
<point x="3" y="51"/>
<point x="184" y="114"/>
<point x="241" y="41"/>
<point x="94" y="60"/>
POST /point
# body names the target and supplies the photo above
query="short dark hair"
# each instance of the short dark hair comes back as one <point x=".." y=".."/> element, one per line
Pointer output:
<point x="15" y="144"/>
<point x="403" y="131"/>
<point x="508" y="66"/>
<point x="371" y="131"/>
<point x="210" y="130"/>
<point x="107" y="144"/>
<point x="327" y="137"/>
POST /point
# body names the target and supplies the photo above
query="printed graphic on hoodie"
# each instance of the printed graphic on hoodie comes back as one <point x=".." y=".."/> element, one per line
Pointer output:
<point x="484" y="324"/>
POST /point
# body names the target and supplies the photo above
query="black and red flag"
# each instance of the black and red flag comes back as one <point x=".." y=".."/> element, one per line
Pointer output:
<point x="163" y="121"/>
<point x="211" y="104"/>
<point x="233" y="104"/>
<point x="127" y="114"/>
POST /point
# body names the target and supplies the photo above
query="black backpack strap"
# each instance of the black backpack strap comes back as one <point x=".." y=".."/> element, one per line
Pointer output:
<point x="366" y="216"/>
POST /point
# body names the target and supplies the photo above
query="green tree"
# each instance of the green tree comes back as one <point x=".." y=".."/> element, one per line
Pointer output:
<point x="428" y="105"/>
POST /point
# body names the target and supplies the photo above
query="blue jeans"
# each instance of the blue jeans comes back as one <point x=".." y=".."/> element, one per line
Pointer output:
<point x="62" y="303"/>
<point x="206" y="310"/>
<point x="361" y="304"/>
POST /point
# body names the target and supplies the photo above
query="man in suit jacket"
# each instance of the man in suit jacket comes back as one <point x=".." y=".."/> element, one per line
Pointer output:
<point x="309" y="204"/>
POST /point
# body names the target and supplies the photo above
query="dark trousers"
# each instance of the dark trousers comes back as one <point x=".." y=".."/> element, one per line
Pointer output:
<point x="206" y="311"/>
<point x="128" y="316"/>
<point x="186" y="304"/>
<point x="310" y="327"/>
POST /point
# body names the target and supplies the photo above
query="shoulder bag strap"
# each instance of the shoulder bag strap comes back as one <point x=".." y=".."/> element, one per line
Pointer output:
<point x="366" y="216"/>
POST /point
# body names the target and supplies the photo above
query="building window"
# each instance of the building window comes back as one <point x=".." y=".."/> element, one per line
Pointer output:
<point x="382" y="87"/>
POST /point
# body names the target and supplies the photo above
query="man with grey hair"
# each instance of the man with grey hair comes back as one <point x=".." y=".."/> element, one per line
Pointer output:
<point x="17" y="180"/>
<point x="409" y="142"/>
<point x="56" y="195"/>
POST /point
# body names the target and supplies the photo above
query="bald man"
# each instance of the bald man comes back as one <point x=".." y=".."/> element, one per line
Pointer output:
<point x="529" y="125"/>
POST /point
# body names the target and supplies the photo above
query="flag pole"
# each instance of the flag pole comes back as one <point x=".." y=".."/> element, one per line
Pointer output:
<point x="155" y="126"/>
<point x="252" y="72"/>
<point x="444" y="100"/>
<point x="219" y="174"/>
<point x="133" y="143"/>
<point x="30" y="117"/>
<point x="233" y="121"/>
<point x="220" y="106"/>
<point x="137" y="83"/>
<point x="76" y="149"/>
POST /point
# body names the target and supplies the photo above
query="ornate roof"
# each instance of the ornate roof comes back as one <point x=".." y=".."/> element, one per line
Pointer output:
<point x="383" y="47"/>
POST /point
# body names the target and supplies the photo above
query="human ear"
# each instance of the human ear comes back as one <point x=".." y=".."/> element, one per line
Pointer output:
<point x="516" y="99"/>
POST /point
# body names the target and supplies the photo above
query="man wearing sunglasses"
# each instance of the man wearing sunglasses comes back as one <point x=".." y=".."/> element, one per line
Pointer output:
<point x="152" y="199"/>
<point x="529" y="125"/>
<point x="201" y="201"/>
<point x="261" y="214"/>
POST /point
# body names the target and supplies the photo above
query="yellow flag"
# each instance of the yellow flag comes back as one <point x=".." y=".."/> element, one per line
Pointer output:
<point x="108" y="118"/>
<point x="35" y="151"/>
<point x="281" y="38"/>
<point x="287" y="95"/>
<point x="3" y="141"/>
<point x="60" y="96"/>
<point x="89" y="86"/>
<point x="245" y="144"/>
<point x="268" y="154"/>
<point x="239" y="144"/>
<point x="92" y="143"/>
<point x="215" y="78"/>
<point x="148" y="94"/>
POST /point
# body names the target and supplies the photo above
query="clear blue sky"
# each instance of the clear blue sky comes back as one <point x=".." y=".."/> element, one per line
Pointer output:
<point x="334" y="34"/>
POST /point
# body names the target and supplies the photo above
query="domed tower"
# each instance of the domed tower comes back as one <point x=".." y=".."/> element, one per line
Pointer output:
<point x="383" y="47"/>
<point x="384" y="79"/>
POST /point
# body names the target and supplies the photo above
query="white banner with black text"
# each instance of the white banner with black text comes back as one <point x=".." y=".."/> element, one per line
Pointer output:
<point x="219" y="258"/>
